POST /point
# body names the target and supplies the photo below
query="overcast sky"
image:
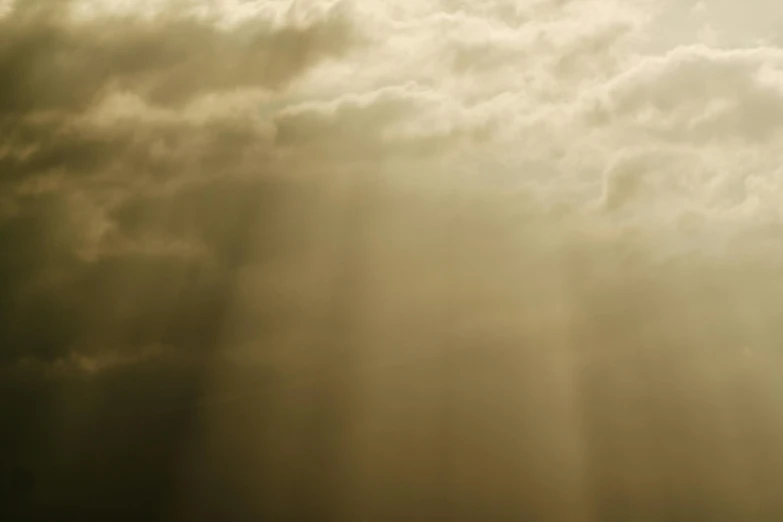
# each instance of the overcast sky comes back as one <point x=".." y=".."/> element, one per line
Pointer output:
<point x="402" y="260"/>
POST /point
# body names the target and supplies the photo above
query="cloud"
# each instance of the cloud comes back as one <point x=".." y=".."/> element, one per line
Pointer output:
<point x="699" y="93"/>
<point x="130" y="143"/>
<point x="297" y="203"/>
<point x="168" y="58"/>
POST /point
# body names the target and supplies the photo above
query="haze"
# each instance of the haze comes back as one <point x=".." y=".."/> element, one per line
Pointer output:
<point x="421" y="260"/>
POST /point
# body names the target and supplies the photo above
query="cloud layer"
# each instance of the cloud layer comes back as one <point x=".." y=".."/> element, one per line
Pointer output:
<point x="379" y="260"/>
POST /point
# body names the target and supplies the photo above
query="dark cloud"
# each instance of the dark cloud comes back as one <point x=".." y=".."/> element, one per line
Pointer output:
<point x="123" y="241"/>
<point x="52" y="64"/>
<point x="87" y="198"/>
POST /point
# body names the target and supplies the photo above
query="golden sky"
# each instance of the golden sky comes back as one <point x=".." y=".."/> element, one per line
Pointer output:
<point x="391" y="260"/>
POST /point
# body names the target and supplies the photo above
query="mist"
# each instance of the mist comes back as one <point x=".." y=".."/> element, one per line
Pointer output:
<point x="374" y="261"/>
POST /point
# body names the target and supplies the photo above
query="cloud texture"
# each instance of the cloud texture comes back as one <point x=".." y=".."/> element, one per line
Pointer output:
<point x="380" y="260"/>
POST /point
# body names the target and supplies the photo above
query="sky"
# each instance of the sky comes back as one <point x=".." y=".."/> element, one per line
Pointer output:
<point x="431" y="260"/>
